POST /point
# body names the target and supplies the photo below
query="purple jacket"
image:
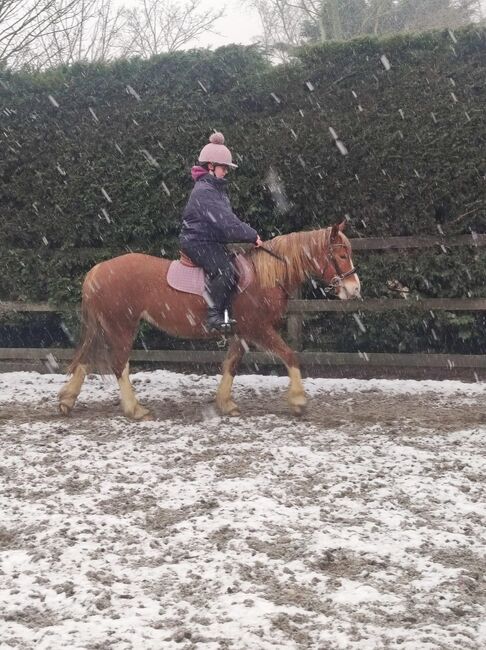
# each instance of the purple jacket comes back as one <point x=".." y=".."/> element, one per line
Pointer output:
<point x="208" y="216"/>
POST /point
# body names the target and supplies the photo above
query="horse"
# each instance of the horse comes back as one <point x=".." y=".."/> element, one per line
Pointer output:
<point x="118" y="293"/>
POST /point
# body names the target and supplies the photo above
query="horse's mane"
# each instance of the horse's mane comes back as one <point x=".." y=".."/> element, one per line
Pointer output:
<point x="298" y="249"/>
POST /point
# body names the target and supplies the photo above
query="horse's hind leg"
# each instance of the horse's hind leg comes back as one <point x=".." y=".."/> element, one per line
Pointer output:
<point x="71" y="389"/>
<point x="223" y="397"/>
<point x="271" y="341"/>
<point x="130" y="405"/>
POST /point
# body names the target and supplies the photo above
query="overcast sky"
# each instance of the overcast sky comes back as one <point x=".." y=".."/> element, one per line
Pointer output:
<point x="241" y="24"/>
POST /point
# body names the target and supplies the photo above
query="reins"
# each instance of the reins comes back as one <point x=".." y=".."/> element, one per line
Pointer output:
<point x="277" y="257"/>
<point x="335" y="281"/>
<point x="280" y="259"/>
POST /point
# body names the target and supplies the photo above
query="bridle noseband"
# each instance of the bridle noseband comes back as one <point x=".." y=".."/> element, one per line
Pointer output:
<point x="338" y="278"/>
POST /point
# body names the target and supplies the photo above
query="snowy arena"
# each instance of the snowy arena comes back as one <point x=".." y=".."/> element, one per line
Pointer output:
<point x="358" y="526"/>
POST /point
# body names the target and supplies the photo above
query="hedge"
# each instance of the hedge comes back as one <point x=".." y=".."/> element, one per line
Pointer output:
<point x="390" y="133"/>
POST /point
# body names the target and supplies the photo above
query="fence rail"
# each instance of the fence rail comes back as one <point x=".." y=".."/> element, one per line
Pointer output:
<point x="297" y="306"/>
<point x="417" y="241"/>
<point x="299" y="309"/>
<point x="307" y="358"/>
<point x="358" y="244"/>
<point x="377" y="305"/>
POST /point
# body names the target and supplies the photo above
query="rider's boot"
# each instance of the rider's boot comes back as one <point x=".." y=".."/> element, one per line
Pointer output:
<point x="219" y="290"/>
<point x="219" y="321"/>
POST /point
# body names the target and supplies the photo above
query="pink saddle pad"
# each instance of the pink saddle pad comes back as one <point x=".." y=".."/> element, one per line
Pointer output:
<point x="190" y="279"/>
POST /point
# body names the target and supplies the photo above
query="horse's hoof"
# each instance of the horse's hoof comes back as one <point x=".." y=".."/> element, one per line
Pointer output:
<point x="230" y="409"/>
<point x="297" y="403"/>
<point x="298" y="407"/>
<point x="64" y="409"/>
<point x="142" y="415"/>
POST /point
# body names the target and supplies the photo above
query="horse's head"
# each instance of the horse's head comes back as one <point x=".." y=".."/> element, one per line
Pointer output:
<point x="338" y="272"/>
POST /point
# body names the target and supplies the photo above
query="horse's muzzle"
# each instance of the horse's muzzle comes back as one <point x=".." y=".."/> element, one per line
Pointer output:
<point x="349" y="289"/>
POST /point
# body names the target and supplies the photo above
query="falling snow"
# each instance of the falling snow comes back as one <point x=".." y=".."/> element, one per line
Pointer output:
<point x="385" y="62"/>
<point x="360" y="526"/>
<point x="133" y="92"/>
<point x="150" y="159"/>
<point x="106" y="195"/>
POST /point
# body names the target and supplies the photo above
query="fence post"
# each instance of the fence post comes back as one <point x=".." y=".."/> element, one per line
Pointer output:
<point x="294" y="326"/>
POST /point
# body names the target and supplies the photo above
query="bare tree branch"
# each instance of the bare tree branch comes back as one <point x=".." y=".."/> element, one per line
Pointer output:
<point x="281" y="23"/>
<point x="322" y="20"/>
<point x="22" y="22"/>
<point x="156" y="26"/>
<point x="90" y="31"/>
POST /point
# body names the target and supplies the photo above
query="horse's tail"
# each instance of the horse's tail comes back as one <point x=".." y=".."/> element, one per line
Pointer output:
<point x="94" y="350"/>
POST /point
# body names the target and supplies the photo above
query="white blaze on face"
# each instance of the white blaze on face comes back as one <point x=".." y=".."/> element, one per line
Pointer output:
<point x="352" y="286"/>
<point x="349" y="288"/>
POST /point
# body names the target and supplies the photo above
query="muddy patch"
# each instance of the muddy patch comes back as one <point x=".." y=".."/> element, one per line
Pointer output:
<point x="362" y="520"/>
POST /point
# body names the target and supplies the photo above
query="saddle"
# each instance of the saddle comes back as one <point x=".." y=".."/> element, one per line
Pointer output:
<point x="183" y="275"/>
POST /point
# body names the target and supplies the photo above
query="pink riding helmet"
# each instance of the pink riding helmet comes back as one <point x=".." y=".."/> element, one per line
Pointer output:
<point x="216" y="152"/>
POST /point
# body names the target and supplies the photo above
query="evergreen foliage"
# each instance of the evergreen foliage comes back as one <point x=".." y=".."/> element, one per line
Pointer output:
<point x="95" y="160"/>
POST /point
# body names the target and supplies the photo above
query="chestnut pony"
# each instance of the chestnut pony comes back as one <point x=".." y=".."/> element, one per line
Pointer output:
<point x="118" y="293"/>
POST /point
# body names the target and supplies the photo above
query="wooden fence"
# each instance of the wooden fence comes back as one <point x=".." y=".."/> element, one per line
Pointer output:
<point x="298" y="310"/>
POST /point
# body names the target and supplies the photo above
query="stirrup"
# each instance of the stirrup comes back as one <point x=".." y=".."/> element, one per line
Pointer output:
<point x="221" y="328"/>
<point x="219" y="323"/>
<point x="227" y="320"/>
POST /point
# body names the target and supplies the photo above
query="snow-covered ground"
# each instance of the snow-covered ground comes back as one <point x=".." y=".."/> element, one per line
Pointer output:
<point x="361" y="525"/>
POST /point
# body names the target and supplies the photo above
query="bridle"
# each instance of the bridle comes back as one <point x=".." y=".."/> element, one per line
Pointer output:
<point x="338" y="278"/>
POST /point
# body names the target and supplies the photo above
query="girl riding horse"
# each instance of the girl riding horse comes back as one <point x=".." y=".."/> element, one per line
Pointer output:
<point x="118" y="293"/>
<point x="209" y="224"/>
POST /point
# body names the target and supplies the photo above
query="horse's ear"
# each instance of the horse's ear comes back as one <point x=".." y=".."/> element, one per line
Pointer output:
<point x="336" y="229"/>
<point x="343" y="225"/>
<point x="335" y="232"/>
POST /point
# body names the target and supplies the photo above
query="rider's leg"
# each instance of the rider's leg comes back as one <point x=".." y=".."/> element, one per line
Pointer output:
<point x="219" y="288"/>
<point x="217" y="263"/>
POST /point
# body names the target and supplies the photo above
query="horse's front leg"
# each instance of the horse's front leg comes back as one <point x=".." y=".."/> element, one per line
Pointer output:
<point x="272" y="342"/>
<point x="130" y="405"/>
<point x="224" y="401"/>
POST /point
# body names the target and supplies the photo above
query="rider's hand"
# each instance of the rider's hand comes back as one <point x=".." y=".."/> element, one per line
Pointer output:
<point x="258" y="241"/>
